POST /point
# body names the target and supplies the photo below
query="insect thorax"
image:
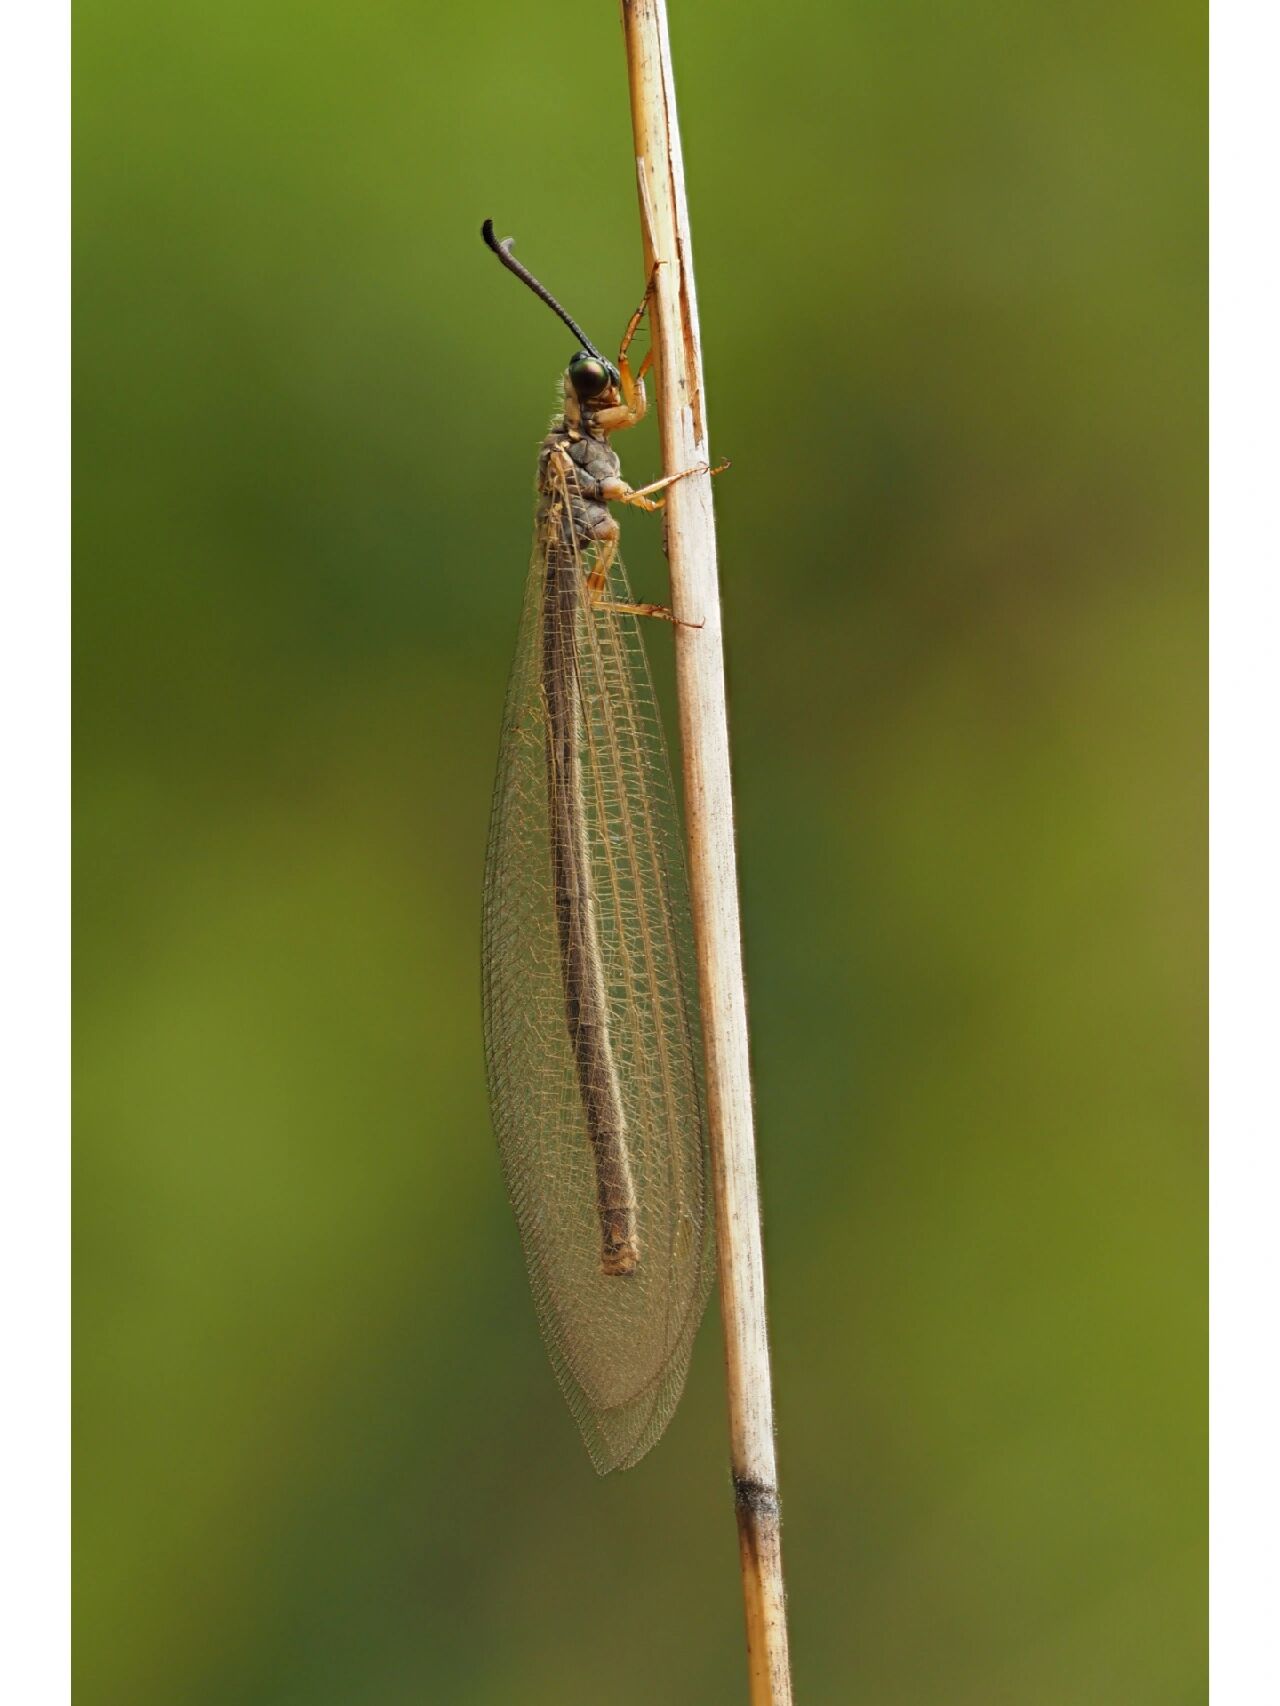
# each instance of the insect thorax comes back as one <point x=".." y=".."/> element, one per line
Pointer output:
<point x="592" y="460"/>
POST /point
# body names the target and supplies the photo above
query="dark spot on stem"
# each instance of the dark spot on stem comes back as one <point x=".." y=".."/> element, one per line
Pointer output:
<point x="755" y="1497"/>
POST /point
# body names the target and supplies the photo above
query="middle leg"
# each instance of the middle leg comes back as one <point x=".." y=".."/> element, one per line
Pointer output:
<point x="617" y="491"/>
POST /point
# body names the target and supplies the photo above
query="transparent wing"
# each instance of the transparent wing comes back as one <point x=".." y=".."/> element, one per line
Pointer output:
<point x="593" y="1057"/>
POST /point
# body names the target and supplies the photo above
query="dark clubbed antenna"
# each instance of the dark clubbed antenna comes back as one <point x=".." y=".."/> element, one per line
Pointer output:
<point x="503" y="251"/>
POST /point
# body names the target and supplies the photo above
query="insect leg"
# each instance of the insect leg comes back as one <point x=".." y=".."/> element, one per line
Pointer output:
<point x="598" y="580"/>
<point x="662" y="612"/>
<point x="634" y="403"/>
<point x="619" y="492"/>
<point x="633" y="324"/>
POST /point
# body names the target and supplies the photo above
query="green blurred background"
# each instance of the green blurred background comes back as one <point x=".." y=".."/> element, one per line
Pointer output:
<point x="951" y="263"/>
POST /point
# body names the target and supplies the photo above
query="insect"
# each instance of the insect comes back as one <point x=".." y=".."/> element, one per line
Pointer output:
<point x="591" y="1038"/>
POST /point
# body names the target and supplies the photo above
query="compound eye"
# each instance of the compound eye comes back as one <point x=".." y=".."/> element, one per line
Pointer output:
<point x="588" y="375"/>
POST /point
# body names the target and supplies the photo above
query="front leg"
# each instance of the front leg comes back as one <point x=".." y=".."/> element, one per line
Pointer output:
<point x="633" y="324"/>
<point x="634" y="405"/>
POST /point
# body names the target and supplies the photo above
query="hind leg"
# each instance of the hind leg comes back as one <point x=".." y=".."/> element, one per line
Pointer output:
<point x="598" y="579"/>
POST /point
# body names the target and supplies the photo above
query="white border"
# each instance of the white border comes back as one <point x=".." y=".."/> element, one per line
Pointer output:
<point x="1245" y="883"/>
<point x="34" y="862"/>
<point x="34" y="928"/>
